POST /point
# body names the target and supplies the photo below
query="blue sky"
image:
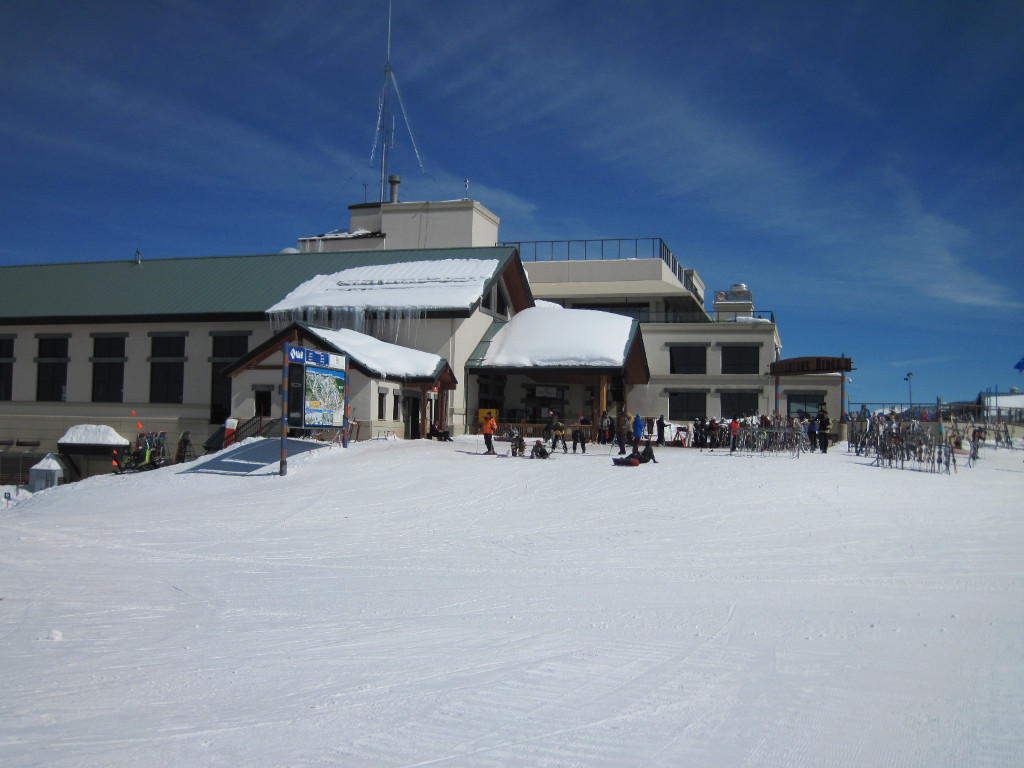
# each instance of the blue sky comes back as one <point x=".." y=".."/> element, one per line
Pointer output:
<point x="859" y="165"/>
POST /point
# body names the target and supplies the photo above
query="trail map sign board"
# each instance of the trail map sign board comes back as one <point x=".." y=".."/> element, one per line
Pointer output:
<point x="324" y="400"/>
<point x="325" y="392"/>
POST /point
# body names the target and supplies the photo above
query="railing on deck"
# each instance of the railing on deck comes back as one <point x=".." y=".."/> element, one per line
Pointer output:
<point x="604" y="249"/>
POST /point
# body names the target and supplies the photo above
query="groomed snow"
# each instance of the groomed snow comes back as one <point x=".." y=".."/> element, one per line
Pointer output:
<point x="551" y="336"/>
<point x="418" y="603"/>
<point x="440" y="284"/>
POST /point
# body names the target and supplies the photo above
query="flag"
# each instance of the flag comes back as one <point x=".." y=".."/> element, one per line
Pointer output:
<point x="1020" y="366"/>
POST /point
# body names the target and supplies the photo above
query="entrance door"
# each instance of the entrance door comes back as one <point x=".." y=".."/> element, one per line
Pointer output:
<point x="262" y="397"/>
<point x="411" y="416"/>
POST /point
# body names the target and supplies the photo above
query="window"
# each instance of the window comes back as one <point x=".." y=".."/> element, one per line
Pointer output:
<point x="741" y="360"/>
<point x="686" y="406"/>
<point x="804" y="405"/>
<point x="496" y="300"/>
<point x="382" y="404"/>
<point x="686" y="359"/>
<point x="396" y="413"/>
<point x="6" y="368"/>
<point x="167" y="369"/>
<point x="227" y="347"/>
<point x="52" y="369"/>
<point x="739" y="404"/>
<point x="108" y="369"/>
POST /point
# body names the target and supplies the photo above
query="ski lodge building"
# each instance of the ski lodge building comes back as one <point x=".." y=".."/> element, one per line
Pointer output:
<point x="440" y="320"/>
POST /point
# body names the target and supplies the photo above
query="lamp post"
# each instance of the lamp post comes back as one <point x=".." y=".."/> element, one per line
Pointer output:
<point x="910" y="390"/>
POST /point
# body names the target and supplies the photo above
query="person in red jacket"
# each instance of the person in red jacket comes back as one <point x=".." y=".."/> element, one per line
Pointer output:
<point x="734" y="430"/>
<point x="489" y="428"/>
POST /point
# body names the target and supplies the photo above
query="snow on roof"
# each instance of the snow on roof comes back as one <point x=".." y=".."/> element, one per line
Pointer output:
<point x="49" y="462"/>
<point x="387" y="359"/>
<point x="552" y="336"/>
<point x="344" y="233"/>
<point x="444" y="283"/>
<point x="92" y="434"/>
<point x="750" y="319"/>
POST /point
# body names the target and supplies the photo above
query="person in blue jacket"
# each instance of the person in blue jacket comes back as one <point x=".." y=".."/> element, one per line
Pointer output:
<point x="638" y="432"/>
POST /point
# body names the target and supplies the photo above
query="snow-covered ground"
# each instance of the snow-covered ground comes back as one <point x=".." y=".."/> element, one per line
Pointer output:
<point x="413" y="603"/>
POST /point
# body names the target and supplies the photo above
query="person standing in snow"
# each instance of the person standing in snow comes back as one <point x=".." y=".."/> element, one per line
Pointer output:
<point x="604" y="425"/>
<point x="661" y="430"/>
<point x="712" y="437"/>
<point x="812" y="433"/>
<point x="579" y="435"/>
<point x="557" y="433"/>
<point x="489" y="428"/>
<point x="824" y="422"/>
<point x="638" y="431"/>
<point x="621" y="425"/>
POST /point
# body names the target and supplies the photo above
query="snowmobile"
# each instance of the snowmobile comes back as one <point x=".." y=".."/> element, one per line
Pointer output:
<point x="150" y="452"/>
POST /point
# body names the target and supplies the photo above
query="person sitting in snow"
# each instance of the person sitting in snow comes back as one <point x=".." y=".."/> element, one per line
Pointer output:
<point x="436" y="433"/>
<point x="539" y="451"/>
<point x="516" y="440"/>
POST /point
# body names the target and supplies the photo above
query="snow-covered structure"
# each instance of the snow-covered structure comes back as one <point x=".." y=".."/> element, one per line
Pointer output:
<point x="181" y="345"/>
<point x="48" y="473"/>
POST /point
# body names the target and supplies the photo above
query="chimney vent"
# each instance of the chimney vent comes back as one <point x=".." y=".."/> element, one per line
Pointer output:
<point x="394" y="181"/>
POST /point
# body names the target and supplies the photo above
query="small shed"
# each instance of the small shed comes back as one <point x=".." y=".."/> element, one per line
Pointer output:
<point x="48" y="473"/>
<point x="87" y="449"/>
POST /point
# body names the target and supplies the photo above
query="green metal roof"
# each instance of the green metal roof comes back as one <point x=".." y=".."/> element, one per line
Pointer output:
<point x="208" y="285"/>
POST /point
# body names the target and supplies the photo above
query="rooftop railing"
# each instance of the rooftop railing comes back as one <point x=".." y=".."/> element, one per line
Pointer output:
<point x="604" y="249"/>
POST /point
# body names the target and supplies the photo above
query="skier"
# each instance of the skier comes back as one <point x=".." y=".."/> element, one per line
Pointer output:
<point x="489" y="428"/>
<point x="558" y="433"/>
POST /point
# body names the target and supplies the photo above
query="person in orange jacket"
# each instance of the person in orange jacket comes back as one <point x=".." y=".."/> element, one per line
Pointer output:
<point x="489" y="428"/>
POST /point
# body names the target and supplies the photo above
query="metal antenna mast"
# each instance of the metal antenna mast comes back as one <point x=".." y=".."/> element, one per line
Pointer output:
<point x="386" y="120"/>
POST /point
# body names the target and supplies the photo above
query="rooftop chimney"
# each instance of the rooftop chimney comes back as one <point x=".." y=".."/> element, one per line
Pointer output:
<point x="394" y="181"/>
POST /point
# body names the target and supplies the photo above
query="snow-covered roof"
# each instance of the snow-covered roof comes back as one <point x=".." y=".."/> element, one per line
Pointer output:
<point x="434" y="284"/>
<point x="342" y="234"/>
<point x="380" y="356"/>
<point x="92" y="434"/>
<point x="552" y="336"/>
<point x="49" y="462"/>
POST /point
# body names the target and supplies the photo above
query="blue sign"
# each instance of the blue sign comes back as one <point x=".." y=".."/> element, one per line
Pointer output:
<point x="310" y="356"/>
<point x="317" y="358"/>
<point x="7" y="496"/>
